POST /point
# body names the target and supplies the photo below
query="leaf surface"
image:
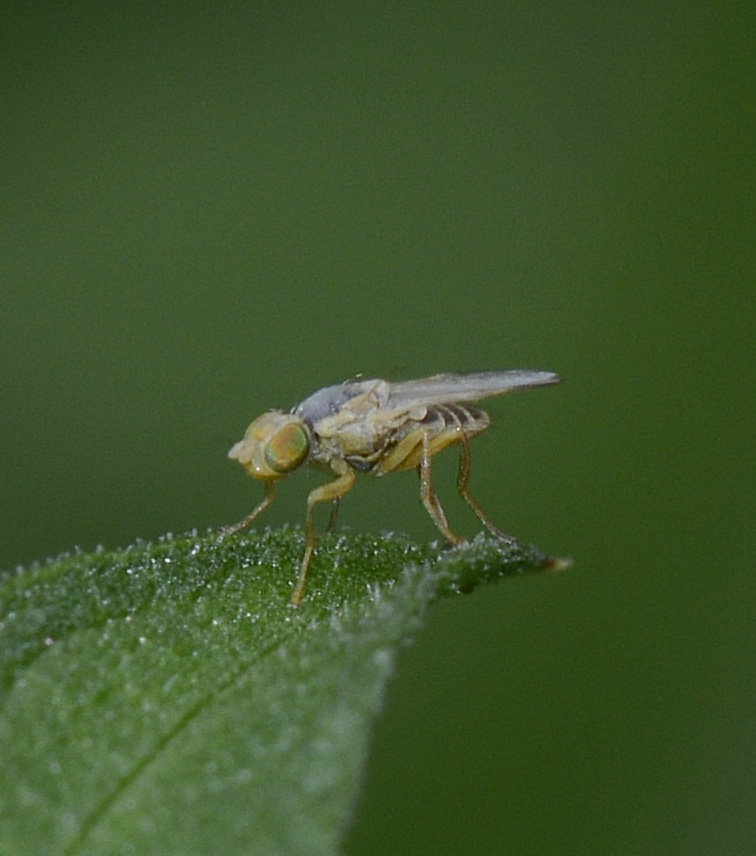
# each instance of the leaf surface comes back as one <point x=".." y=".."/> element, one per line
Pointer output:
<point x="166" y="699"/>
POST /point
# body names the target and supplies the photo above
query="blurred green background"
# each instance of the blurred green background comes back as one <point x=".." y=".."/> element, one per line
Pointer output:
<point x="209" y="210"/>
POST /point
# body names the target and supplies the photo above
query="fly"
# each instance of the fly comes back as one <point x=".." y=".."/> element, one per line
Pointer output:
<point x="375" y="427"/>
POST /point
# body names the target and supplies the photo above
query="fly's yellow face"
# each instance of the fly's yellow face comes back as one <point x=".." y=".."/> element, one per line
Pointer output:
<point x="275" y="444"/>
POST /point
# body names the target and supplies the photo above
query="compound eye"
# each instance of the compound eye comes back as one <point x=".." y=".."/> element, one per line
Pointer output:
<point x="287" y="449"/>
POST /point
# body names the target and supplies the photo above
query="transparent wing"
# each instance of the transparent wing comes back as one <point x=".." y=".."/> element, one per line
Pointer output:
<point x="457" y="387"/>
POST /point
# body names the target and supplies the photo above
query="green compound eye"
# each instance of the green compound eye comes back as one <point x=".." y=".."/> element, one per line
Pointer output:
<point x="287" y="449"/>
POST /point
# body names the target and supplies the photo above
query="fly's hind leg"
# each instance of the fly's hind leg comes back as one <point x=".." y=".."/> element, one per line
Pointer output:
<point x="332" y="517"/>
<point x="333" y="491"/>
<point x="430" y="499"/>
<point x="462" y="479"/>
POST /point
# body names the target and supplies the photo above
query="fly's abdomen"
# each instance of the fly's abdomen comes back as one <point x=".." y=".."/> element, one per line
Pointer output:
<point x="455" y="419"/>
<point x="442" y="425"/>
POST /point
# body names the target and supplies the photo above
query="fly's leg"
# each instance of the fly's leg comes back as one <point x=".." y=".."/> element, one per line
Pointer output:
<point x="438" y="513"/>
<point x="334" y="514"/>
<point x="270" y="490"/>
<point x="430" y="499"/>
<point x="462" y="479"/>
<point x="333" y="490"/>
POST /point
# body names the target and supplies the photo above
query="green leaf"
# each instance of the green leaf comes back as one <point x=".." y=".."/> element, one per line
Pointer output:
<point x="167" y="699"/>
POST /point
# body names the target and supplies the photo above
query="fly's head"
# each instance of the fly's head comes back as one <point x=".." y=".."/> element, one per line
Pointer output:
<point x="275" y="444"/>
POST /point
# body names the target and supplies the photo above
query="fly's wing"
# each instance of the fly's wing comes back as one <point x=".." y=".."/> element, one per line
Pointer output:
<point x="457" y="387"/>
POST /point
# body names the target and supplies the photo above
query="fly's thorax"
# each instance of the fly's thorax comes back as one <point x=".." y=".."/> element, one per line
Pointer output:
<point x="335" y="438"/>
<point x="354" y="397"/>
<point x="274" y="444"/>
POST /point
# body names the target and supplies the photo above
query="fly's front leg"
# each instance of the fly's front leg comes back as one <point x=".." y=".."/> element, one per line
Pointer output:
<point x="270" y="490"/>
<point x="333" y="490"/>
<point x="430" y="499"/>
<point x="462" y="479"/>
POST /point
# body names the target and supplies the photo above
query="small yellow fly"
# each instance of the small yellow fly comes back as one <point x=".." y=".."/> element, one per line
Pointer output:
<point x="375" y="427"/>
